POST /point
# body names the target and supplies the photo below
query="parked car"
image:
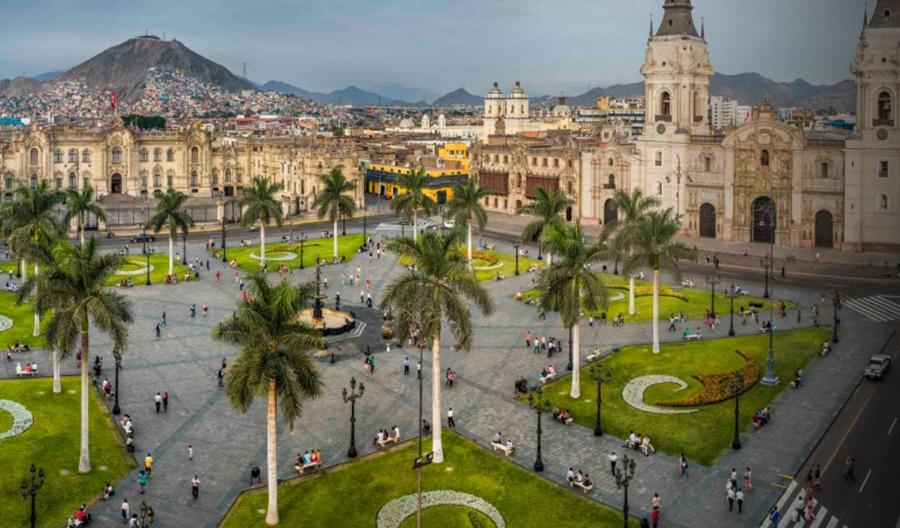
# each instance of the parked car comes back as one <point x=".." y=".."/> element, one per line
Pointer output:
<point x="143" y="237"/>
<point x="878" y="366"/>
<point x="450" y="224"/>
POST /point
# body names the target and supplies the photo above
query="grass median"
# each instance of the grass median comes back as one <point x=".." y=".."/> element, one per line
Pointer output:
<point x="288" y="253"/>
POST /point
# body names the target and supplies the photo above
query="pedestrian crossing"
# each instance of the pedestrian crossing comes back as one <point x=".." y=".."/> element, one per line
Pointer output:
<point x="881" y="308"/>
<point x="792" y="499"/>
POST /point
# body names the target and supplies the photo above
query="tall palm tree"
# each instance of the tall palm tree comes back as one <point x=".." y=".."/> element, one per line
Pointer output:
<point x="655" y="248"/>
<point x="333" y="201"/>
<point x="170" y="210"/>
<point x="79" y="205"/>
<point x="433" y="291"/>
<point x="273" y="360"/>
<point x="75" y="289"/>
<point x="632" y="206"/>
<point x="413" y="198"/>
<point x="30" y="222"/>
<point x="259" y="205"/>
<point x="465" y="207"/>
<point x="570" y="286"/>
<point x="546" y="208"/>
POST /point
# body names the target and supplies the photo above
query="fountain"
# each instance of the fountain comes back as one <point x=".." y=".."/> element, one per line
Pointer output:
<point x="329" y="322"/>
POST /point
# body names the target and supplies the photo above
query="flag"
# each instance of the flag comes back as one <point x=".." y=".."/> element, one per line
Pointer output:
<point x="115" y="99"/>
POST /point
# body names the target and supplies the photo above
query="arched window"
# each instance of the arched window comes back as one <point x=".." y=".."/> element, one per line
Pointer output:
<point x="73" y="156"/>
<point x="57" y="156"/>
<point x="157" y="154"/>
<point x="85" y="156"/>
<point x="215" y="177"/>
<point x="611" y="181"/>
<point x="170" y="155"/>
<point x="59" y="182"/>
<point x="659" y="188"/>
<point x="665" y="106"/>
<point x="116" y="155"/>
<point x="143" y="180"/>
<point x="194" y="179"/>
<point x="170" y="181"/>
<point x="227" y="175"/>
<point x="195" y="155"/>
<point x="764" y="158"/>
<point x="610" y="162"/>
<point x="157" y="178"/>
<point x="33" y="158"/>
<point x="698" y="111"/>
<point x="73" y="180"/>
<point x="145" y="155"/>
<point x="34" y="181"/>
<point x="883" y="202"/>
<point x="884" y="106"/>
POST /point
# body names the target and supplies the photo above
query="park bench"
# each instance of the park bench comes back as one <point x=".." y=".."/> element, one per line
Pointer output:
<point x="581" y="484"/>
<point x="388" y="440"/>
<point x="508" y="451"/>
<point x="301" y="468"/>
<point x="548" y="377"/>
<point x="693" y="337"/>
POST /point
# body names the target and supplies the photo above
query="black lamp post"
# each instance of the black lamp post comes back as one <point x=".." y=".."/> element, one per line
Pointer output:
<point x="624" y="474"/>
<point x="770" y="378"/>
<point x="516" y="247"/>
<point x="147" y="257"/>
<point x="569" y="364"/>
<point x="184" y="248"/>
<point x="738" y="385"/>
<point x="713" y="280"/>
<point x="536" y="402"/>
<point x="351" y="397"/>
<point x="302" y="241"/>
<point x="365" y="218"/>
<point x="731" y="293"/>
<point x="343" y="224"/>
<point x="764" y="262"/>
<point x="146" y="515"/>
<point x="224" y="256"/>
<point x="837" y="321"/>
<point x="616" y="266"/>
<point x="29" y="488"/>
<point x="118" y="357"/>
<point x="601" y="377"/>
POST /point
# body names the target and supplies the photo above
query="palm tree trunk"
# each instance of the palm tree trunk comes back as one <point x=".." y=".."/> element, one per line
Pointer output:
<point x="24" y="270"/>
<point x="549" y="259"/>
<point x="271" y="436"/>
<point x="655" y="320"/>
<point x="631" y="309"/>
<point x="84" y="461"/>
<point x="262" y="246"/>
<point x="172" y="253"/>
<point x="57" y="384"/>
<point x="81" y="228"/>
<point x="436" y="445"/>
<point x="415" y="226"/>
<point x="576" y="362"/>
<point x="37" y="316"/>
<point x="334" y="234"/>
<point x="469" y="243"/>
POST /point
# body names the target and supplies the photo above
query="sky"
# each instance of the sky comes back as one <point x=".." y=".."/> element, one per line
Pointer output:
<point x="552" y="46"/>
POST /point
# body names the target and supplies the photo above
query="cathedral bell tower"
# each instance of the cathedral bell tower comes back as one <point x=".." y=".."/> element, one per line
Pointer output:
<point x="676" y="74"/>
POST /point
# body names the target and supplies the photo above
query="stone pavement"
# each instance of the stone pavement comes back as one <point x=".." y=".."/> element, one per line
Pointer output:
<point x="228" y="444"/>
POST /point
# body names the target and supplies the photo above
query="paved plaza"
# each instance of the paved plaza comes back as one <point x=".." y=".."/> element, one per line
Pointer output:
<point x="227" y="445"/>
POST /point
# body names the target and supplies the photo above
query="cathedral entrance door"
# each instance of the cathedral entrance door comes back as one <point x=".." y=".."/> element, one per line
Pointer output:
<point x="824" y="229"/>
<point x="708" y="221"/>
<point x="115" y="184"/>
<point x="763" y="228"/>
<point x="610" y="211"/>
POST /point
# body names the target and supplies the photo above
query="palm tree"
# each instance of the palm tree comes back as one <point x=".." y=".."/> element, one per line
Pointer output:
<point x="655" y="248"/>
<point x="633" y="207"/>
<point x="74" y="287"/>
<point x="546" y="208"/>
<point x="40" y="251"/>
<point x="465" y="207"/>
<point x="413" y="198"/>
<point x="79" y="205"/>
<point x="170" y="210"/>
<point x="333" y="201"/>
<point x="259" y="205"/>
<point x="570" y="286"/>
<point x="434" y="291"/>
<point x="30" y="222"/>
<point x="273" y="360"/>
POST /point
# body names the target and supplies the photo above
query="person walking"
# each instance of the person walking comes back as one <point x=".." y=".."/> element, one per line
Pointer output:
<point x="739" y="496"/>
<point x="148" y="464"/>
<point x="406" y="366"/>
<point x="731" y="496"/>
<point x="165" y="401"/>
<point x="157" y="330"/>
<point x="158" y="401"/>
<point x="191" y="452"/>
<point x="654" y="517"/>
<point x="195" y="487"/>
<point x="142" y="480"/>
<point x="220" y="375"/>
<point x="682" y="466"/>
<point x="849" y="465"/>
<point x="450" y="423"/>
<point x="218" y="275"/>
<point x="418" y="370"/>
<point x="527" y="338"/>
<point x="748" y="479"/>
<point x="125" y="510"/>
<point x="613" y="458"/>
<point x="733" y="478"/>
<point x="193" y="310"/>
<point x="163" y="321"/>
<point x="817" y="479"/>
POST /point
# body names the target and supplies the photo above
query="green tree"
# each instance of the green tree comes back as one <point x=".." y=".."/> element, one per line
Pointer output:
<point x="546" y="208"/>
<point x="79" y="205"/>
<point x="435" y="290"/>
<point x="333" y="201"/>
<point x="74" y="288"/>
<point x="170" y="211"/>
<point x="413" y="198"/>
<point x="465" y="208"/>
<point x="259" y="205"/>
<point x="570" y="286"/>
<point x="632" y="208"/>
<point x="273" y="360"/>
<point x="655" y="247"/>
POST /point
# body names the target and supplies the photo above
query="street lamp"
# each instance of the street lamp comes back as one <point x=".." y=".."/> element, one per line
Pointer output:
<point x="731" y="293"/>
<point x="764" y="262"/>
<point x="302" y="241"/>
<point x="147" y="257"/>
<point x="624" y="475"/>
<point x="713" y="280"/>
<point x="224" y="256"/>
<point x="30" y="489"/>
<point x="738" y="385"/>
<point x="184" y="248"/>
<point x="541" y="406"/>
<point x="365" y="218"/>
<point x="771" y="378"/>
<point x="352" y="397"/>
<point x="516" y="247"/>
<point x="118" y="357"/>
<point x="601" y="377"/>
<point x="837" y="306"/>
<point x="569" y="364"/>
<point x="146" y="514"/>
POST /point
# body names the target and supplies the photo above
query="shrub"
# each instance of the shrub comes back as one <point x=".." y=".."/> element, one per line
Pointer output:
<point x="720" y="387"/>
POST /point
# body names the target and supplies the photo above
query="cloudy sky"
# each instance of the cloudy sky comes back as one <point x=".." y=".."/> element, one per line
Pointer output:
<point x="551" y="45"/>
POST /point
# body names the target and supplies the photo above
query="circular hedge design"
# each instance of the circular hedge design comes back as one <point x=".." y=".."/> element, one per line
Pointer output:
<point x="392" y="514"/>
<point x="633" y="393"/>
<point x="140" y="268"/>
<point x="275" y="256"/>
<point x="22" y="418"/>
<point x="5" y="323"/>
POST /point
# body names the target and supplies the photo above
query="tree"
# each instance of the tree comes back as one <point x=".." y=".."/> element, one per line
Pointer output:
<point x="259" y="205"/>
<point x="465" y="207"/>
<point x="546" y="208"/>
<point x="170" y="210"/>
<point x="413" y="198"/>
<point x="79" y="205"/>
<point x="74" y="287"/>
<point x="30" y="222"/>
<point x="273" y="360"/>
<point x="570" y="286"/>
<point x="655" y="248"/>
<point x="435" y="291"/>
<point x="333" y="201"/>
<point x="633" y="206"/>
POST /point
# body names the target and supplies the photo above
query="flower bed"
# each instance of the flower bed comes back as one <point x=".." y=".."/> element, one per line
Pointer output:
<point x="720" y="387"/>
<point x="486" y="256"/>
<point x="22" y="418"/>
<point x="394" y="512"/>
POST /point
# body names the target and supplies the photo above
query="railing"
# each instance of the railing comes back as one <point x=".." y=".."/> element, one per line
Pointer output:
<point x="707" y="139"/>
<point x="825" y="142"/>
<point x="662" y="117"/>
<point x="883" y="122"/>
<point x="609" y="185"/>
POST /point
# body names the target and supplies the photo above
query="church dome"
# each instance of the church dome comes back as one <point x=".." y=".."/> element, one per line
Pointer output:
<point x="517" y="92"/>
<point x="406" y="124"/>
<point x="495" y="92"/>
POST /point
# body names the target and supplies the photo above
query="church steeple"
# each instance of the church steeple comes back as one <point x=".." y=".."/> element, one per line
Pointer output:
<point x="887" y="15"/>
<point x="677" y="19"/>
<point x="702" y="28"/>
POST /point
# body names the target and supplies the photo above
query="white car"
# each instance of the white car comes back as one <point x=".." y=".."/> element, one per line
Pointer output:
<point x="449" y="224"/>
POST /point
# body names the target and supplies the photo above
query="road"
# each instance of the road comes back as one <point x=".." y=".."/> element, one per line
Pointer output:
<point x="867" y="428"/>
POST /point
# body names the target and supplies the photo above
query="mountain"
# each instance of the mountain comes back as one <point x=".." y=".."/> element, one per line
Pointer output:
<point x="290" y="89"/>
<point x="397" y="91"/>
<point x="48" y="76"/>
<point x="18" y="87"/>
<point x="458" y="97"/>
<point x="125" y="66"/>
<point x="351" y="95"/>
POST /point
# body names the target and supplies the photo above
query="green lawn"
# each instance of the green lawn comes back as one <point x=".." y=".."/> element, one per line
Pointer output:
<point x="159" y="268"/>
<point x="692" y="302"/>
<point x="348" y="246"/>
<point x="52" y="443"/>
<point x="494" y="263"/>
<point x="702" y="435"/>
<point x="22" y="317"/>
<point x="352" y="494"/>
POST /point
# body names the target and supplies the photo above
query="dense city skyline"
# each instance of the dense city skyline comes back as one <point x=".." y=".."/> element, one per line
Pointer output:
<point x="328" y="46"/>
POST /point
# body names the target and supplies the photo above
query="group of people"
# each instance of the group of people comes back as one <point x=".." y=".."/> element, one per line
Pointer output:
<point x="17" y="348"/>
<point x="498" y="440"/>
<point x="81" y="517"/>
<point x="547" y="373"/>
<point x="735" y="494"/>
<point x="128" y="427"/>
<point x="384" y="435"/>
<point x="762" y="417"/>
<point x="11" y="286"/>
<point x="29" y="370"/>
<point x="673" y="319"/>
<point x="450" y="377"/>
<point x="639" y="443"/>
<point x="583" y="479"/>
<point x="308" y="458"/>
<point x="561" y="416"/>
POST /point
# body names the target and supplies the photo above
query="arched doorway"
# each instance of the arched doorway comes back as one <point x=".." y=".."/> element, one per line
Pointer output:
<point x="708" y="220"/>
<point x="115" y="184"/>
<point x="763" y="228"/>
<point x="610" y="211"/>
<point x="568" y="214"/>
<point x="824" y="229"/>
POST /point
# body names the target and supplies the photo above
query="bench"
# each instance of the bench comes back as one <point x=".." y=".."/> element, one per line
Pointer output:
<point x="548" y="377"/>
<point x="303" y="467"/>
<point x="693" y="337"/>
<point x="580" y="484"/>
<point x="508" y="451"/>
<point x="388" y="440"/>
<point x="592" y="357"/>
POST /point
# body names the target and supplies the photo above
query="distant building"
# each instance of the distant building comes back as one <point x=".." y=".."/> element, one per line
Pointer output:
<point x="448" y="167"/>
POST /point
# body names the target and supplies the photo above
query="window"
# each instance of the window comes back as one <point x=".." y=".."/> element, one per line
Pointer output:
<point x="215" y="177"/>
<point x="156" y="180"/>
<point x="57" y="156"/>
<point x="8" y="183"/>
<point x="659" y="188"/>
<point x="240" y="175"/>
<point x="611" y="181"/>
<point x="556" y="163"/>
<point x="157" y="154"/>
<point x="143" y="180"/>
<point x="116" y="155"/>
<point x="883" y="169"/>
<point x="194" y="179"/>
<point x="34" y="180"/>
<point x="169" y="181"/>
<point x="170" y="155"/>
<point x="34" y="156"/>
<point x="764" y="158"/>
<point x="496" y="158"/>
<point x="85" y="156"/>
<point x="666" y="104"/>
<point x="73" y="156"/>
<point x="73" y="180"/>
<point x="505" y="158"/>
<point x="145" y="155"/>
<point x="59" y="182"/>
<point x="884" y="106"/>
<point x="707" y="164"/>
<point x="85" y="182"/>
<point x="610" y="162"/>
<point x="658" y="158"/>
<point x="195" y="155"/>
<point x="544" y="162"/>
<point x="882" y="202"/>
<point x="227" y="175"/>
<point x="823" y="173"/>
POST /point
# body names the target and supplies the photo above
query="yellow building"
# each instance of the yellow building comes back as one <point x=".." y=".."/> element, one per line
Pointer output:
<point x="449" y="167"/>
